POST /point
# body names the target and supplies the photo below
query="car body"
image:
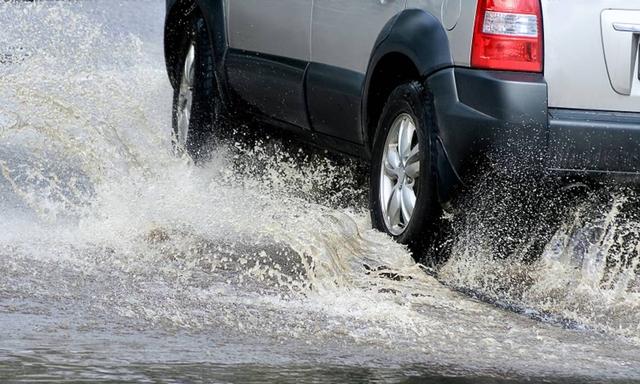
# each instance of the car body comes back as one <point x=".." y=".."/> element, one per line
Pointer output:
<point x="325" y="68"/>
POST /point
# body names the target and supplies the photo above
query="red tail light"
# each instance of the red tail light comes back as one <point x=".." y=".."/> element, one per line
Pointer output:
<point x="508" y="35"/>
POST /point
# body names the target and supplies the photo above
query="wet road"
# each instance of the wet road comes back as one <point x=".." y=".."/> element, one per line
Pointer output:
<point x="120" y="262"/>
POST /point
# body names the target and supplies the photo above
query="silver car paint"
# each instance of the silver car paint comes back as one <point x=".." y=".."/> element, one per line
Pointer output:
<point x="578" y="74"/>
<point x="337" y="32"/>
<point x="276" y="27"/>
<point x="344" y="32"/>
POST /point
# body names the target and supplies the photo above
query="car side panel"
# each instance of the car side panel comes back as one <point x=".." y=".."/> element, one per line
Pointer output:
<point x="275" y="27"/>
<point x="269" y="51"/>
<point x="343" y="37"/>
<point x="344" y="32"/>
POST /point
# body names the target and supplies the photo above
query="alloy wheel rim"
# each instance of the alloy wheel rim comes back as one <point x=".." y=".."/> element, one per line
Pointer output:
<point x="185" y="96"/>
<point x="399" y="173"/>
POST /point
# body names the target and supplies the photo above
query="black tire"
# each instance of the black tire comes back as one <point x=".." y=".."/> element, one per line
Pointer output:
<point x="414" y="100"/>
<point x="207" y="121"/>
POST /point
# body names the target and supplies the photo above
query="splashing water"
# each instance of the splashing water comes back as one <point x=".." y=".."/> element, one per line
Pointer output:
<point x="574" y="259"/>
<point x="120" y="262"/>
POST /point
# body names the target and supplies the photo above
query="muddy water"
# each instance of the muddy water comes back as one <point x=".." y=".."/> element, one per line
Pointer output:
<point x="120" y="262"/>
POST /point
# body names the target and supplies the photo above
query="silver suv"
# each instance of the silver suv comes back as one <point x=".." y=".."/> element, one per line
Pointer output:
<point x="424" y="89"/>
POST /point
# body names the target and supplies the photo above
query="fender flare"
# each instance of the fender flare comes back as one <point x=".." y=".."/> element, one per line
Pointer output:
<point x="416" y="34"/>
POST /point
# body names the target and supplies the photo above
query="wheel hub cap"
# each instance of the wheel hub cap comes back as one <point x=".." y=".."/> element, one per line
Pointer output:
<point x="400" y="170"/>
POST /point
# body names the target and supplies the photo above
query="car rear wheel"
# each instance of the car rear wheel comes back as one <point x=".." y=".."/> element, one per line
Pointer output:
<point x="197" y="107"/>
<point x="403" y="200"/>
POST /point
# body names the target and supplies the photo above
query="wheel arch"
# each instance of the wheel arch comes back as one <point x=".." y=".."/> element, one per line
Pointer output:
<point x="412" y="46"/>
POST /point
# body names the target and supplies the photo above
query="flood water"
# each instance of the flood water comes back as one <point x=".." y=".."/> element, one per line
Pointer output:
<point x="120" y="262"/>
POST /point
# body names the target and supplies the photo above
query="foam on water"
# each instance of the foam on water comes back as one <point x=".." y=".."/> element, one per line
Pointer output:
<point x="107" y="237"/>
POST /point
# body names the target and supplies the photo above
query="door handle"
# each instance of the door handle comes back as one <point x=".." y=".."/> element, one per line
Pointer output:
<point x="626" y="27"/>
<point x="384" y="2"/>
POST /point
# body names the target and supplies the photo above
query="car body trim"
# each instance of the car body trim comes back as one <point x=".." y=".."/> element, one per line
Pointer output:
<point x="271" y="85"/>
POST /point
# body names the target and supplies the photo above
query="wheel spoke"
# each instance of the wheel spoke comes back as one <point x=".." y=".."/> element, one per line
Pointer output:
<point x="413" y="170"/>
<point x="405" y="137"/>
<point x="187" y="114"/>
<point x="388" y="186"/>
<point x="189" y="66"/>
<point x="414" y="154"/>
<point x="183" y="128"/>
<point x="394" y="209"/>
<point x="390" y="171"/>
<point x="393" y="158"/>
<point x="185" y="97"/>
<point x="408" y="203"/>
<point x="413" y="163"/>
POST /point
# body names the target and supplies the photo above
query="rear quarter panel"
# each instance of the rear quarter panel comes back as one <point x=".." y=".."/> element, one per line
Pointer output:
<point x="458" y="18"/>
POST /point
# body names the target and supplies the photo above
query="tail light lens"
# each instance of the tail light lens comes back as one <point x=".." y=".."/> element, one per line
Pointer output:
<point x="508" y="35"/>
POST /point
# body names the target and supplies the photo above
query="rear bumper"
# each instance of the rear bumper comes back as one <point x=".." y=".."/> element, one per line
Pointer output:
<point x="505" y="115"/>
<point x="594" y="142"/>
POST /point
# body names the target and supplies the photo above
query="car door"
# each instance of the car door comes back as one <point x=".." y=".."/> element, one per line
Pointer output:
<point x="343" y="37"/>
<point x="269" y="51"/>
